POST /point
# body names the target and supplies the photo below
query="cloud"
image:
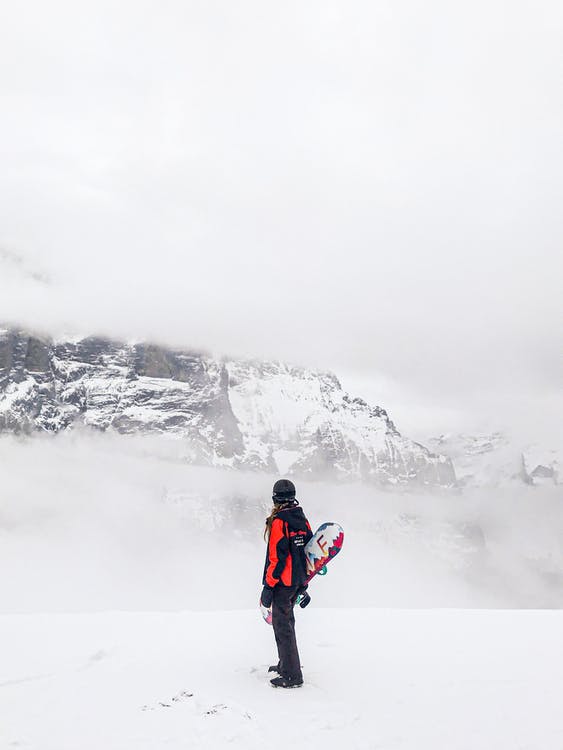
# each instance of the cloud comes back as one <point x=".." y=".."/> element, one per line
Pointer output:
<point x="367" y="188"/>
<point x="16" y="266"/>
<point x="99" y="521"/>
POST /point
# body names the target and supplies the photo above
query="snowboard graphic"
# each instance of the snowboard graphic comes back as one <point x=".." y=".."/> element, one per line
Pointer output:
<point x="325" y="544"/>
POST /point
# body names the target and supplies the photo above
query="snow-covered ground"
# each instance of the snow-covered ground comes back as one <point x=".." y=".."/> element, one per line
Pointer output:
<point x="386" y="679"/>
<point x="128" y="614"/>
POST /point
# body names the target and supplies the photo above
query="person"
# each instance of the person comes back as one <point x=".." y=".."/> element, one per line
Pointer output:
<point x="285" y="572"/>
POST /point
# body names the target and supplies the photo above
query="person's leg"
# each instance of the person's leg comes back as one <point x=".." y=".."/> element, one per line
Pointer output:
<point x="279" y="665"/>
<point x="283" y="621"/>
<point x="277" y="624"/>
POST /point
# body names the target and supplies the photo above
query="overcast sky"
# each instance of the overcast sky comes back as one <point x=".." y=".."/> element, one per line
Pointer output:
<point x="372" y="187"/>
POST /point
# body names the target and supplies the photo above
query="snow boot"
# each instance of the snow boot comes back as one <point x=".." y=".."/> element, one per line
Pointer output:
<point x="286" y="682"/>
<point x="275" y="668"/>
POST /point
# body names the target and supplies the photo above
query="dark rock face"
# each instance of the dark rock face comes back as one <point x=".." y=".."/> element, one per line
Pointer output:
<point x="240" y="414"/>
<point x="26" y="383"/>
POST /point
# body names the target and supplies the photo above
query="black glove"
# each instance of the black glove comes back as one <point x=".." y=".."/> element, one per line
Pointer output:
<point x="305" y="599"/>
<point x="302" y="595"/>
<point x="267" y="596"/>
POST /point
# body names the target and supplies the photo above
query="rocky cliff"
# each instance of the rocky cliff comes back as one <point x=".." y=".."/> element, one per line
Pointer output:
<point x="241" y="414"/>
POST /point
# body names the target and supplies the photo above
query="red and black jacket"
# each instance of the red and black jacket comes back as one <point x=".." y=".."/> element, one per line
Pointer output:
<point x="285" y="555"/>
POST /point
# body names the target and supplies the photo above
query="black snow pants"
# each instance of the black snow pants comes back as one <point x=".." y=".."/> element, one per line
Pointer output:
<point x="283" y="621"/>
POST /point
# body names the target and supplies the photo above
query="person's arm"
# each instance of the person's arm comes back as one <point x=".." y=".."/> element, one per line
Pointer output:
<point x="278" y="550"/>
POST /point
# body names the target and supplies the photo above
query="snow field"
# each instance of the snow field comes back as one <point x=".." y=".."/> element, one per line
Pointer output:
<point x="409" y="679"/>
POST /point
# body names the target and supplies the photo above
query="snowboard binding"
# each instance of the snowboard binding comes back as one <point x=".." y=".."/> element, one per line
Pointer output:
<point x="303" y="600"/>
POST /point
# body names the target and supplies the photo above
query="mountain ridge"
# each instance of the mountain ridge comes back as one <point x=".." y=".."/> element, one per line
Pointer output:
<point x="242" y="414"/>
<point x="494" y="459"/>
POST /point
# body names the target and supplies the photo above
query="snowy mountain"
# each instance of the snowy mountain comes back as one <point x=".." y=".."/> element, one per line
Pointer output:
<point x="496" y="459"/>
<point x="233" y="413"/>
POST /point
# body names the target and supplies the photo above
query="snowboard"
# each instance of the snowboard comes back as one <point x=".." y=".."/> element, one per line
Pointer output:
<point x="325" y="544"/>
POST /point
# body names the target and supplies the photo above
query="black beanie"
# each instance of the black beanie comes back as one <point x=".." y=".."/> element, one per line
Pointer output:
<point x="284" y="490"/>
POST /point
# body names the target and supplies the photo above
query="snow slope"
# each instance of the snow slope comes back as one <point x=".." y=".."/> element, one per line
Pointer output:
<point x="114" y="523"/>
<point x="408" y="680"/>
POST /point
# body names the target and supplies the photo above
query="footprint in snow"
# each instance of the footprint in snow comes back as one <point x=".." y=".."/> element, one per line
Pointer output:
<point x="220" y="708"/>
<point x="184" y="695"/>
<point x="179" y="697"/>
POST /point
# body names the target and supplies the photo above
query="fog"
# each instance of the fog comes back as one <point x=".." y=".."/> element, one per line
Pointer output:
<point x="97" y="521"/>
<point x="365" y="187"/>
<point x="369" y="188"/>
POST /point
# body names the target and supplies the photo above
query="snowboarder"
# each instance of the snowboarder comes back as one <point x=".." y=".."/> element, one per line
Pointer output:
<point x="287" y="532"/>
